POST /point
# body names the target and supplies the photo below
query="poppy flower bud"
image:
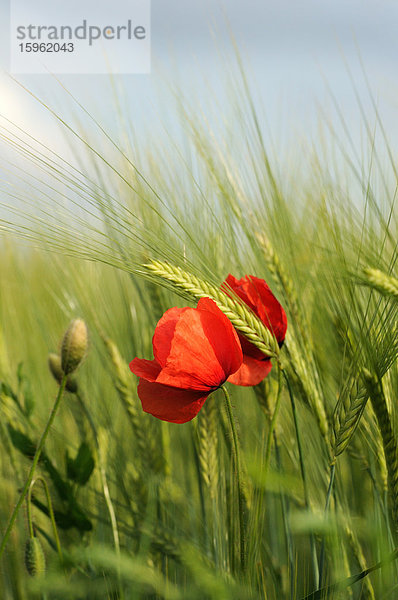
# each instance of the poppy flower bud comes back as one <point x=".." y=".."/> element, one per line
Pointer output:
<point x="74" y="346"/>
<point x="54" y="363"/>
<point x="35" y="561"/>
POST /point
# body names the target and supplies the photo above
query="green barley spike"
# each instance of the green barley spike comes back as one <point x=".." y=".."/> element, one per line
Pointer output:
<point x="244" y="320"/>
<point x="35" y="561"/>
<point x="347" y="415"/>
<point x="378" y="400"/>
<point x="385" y="284"/>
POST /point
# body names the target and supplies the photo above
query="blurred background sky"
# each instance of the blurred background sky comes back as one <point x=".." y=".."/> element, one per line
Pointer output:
<point x="292" y="52"/>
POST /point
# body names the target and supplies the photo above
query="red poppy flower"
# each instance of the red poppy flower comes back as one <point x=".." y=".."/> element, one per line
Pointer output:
<point x="195" y="350"/>
<point x="257" y="295"/>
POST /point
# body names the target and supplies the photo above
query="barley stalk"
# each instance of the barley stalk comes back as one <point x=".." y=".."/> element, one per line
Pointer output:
<point x="262" y="392"/>
<point x="383" y="283"/>
<point x="378" y="400"/>
<point x="305" y="373"/>
<point x="347" y="415"/>
<point x="244" y="320"/>
<point x="298" y="371"/>
<point x="283" y="280"/>
<point x="356" y="549"/>
<point x="146" y="442"/>
<point x="207" y="440"/>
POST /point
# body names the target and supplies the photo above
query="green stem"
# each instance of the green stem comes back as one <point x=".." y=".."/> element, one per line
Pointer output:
<point x="324" y="592"/>
<point x="273" y="421"/>
<point x="104" y="482"/>
<point x="241" y="496"/>
<point x="328" y="496"/>
<point x="303" y="477"/>
<point x="36" y="459"/>
<point x="29" y="514"/>
<point x="50" y="510"/>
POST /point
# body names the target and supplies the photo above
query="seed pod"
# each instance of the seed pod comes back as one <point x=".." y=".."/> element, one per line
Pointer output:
<point x="35" y="560"/>
<point x="74" y="346"/>
<point x="54" y="362"/>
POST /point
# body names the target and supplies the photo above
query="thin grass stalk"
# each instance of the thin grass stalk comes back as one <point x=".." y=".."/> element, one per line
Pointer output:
<point x="328" y="496"/>
<point x="33" y="466"/>
<point x="331" y="589"/>
<point x="379" y="404"/>
<point x="285" y="285"/>
<point x="50" y="511"/>
<point x="148" y="448"/>
<point x="241" y="495"/>
<point x="285" y="515"/>
<point x="356" y="549"/>
<point x="206" y="452"/>
<point x="272" y="424"/>
<point x="304" y="380"/>
<point x="207" y="446"/>
<point x="101" y="463"/>
<point x="314" y="557"/>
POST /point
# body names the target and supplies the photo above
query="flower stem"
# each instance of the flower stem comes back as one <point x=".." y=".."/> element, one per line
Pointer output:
<point x="328" y="495"/>
<point x="36" y="459"/>
<point x="241" y="497"/>
<point x="50" y="510"/>
<point x="273" y="420"/>
<point x="303" y="476"/>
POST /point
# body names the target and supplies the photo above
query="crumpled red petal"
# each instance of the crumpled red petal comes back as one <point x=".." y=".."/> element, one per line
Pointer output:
<point x="148" y="369"/>
<point x="170" y="404"/>
<point x="257" y="295"/>
<point x="224" y="339"/>
<point x="164" y="333"/>
<point x="251" y="371"/>
<point x="203" y="351"/>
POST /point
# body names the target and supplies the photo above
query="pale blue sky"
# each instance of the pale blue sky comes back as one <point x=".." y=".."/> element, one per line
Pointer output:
<point x="288" y="45"/>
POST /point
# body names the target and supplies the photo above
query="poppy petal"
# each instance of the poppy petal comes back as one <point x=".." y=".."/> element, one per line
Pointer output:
<point x="164" y="333"/>
<point x="148" y="369"/>
<point x="258" y="296"/>
<point x="224" y="340"/>
<point x="168" y="403"/>
<point x="251" y="372"/>
<point x="266" y="306"/>
<point x="192" y="363"/>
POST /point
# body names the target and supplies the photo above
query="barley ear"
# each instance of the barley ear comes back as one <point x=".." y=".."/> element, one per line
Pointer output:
<point x="347" y="414"/>
<point x="379" y="404"/>
<point x="207" y="444"/>
<point x="241" y="317"/>
<point x="148" y="449"/>
<point x="385" y="284"/>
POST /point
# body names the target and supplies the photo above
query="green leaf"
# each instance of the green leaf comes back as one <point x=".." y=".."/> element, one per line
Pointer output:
<point x="80" y="468"/>
<point x="20" y="374"/>
<point x="7" y="390"/>
<point x="73" y="517"/>
<point x="63" y="487"/>
<point x="21" y="441"/>
<point x="29" y="402"/>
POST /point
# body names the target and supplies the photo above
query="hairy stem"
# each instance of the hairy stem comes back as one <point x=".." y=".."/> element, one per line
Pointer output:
<point x="241" y="496"/>
<point x="303" y="476"/>
<point x="35" y="461"/>
<point x="328" y="496"/>
<point x="273" y="420"/>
